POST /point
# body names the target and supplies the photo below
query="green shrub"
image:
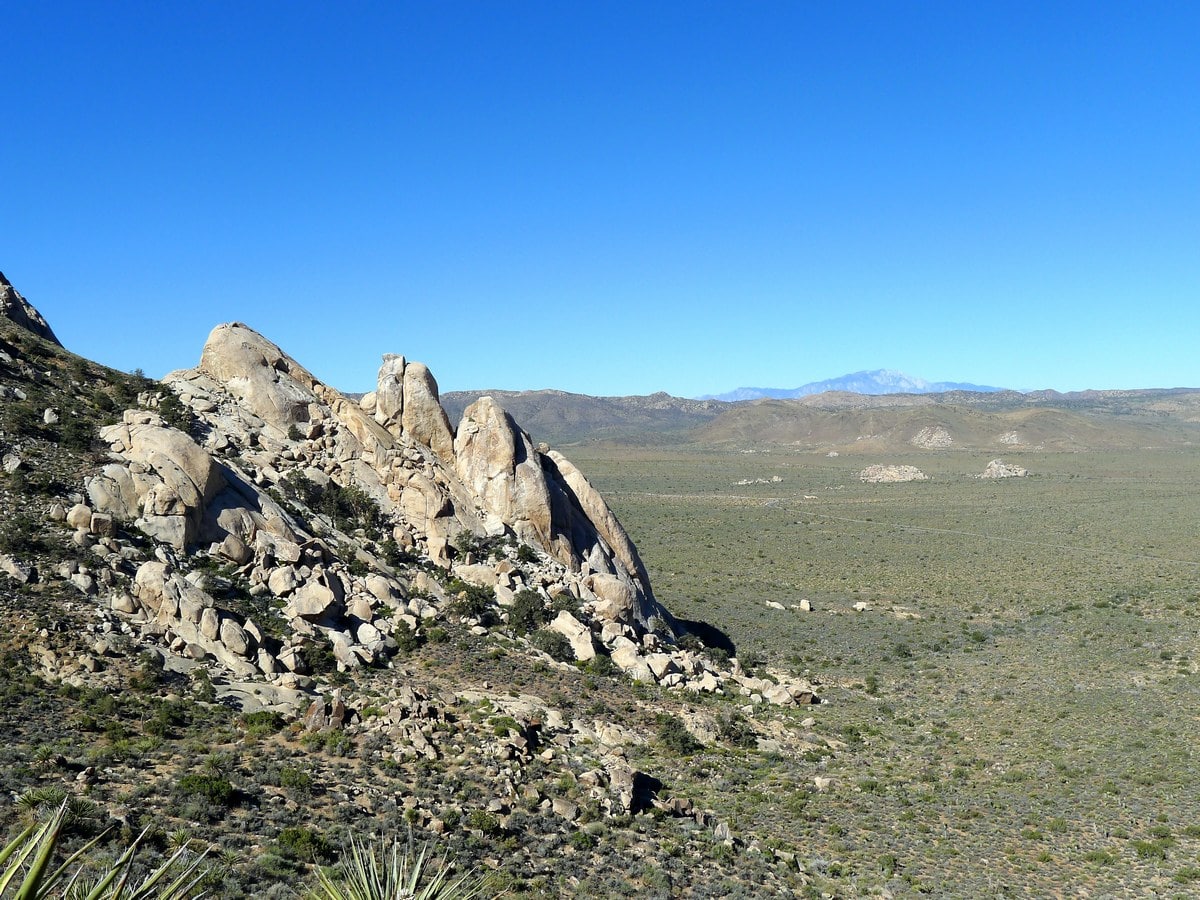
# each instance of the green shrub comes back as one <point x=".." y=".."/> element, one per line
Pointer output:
<point x="318" y="657"/>
<point x="527" y="613"/>
<point x="296" y="781"/>
<point x="213" y="788"/>
<point x="601" y="665"/>
<point x="305" y="843"/>
<point x="482" y="820"/>
<point x="263" y="722"/>
<point x="174" y="413"/>
<point x="407" y="640"/>
<point x="581" y="840"/>
<point x="734" y="728"/>
<point x="348" y="507"/>
<point x="77" y="433"/>
<point x="19" y="534"/>
<point x="553" y="644"/>
<point x="673" y="735"/>
<point x="473" y="601"/>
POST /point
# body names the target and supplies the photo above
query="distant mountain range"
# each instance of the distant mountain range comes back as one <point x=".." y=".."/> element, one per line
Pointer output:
<point x="964" y="419"/>
<point x="874" y="381"/>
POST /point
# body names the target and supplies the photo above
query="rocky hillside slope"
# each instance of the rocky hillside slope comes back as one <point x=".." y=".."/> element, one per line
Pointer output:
<point x="221" y="589"/>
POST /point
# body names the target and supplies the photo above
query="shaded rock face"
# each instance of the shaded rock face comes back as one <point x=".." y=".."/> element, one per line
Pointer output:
<point x="19" y="310"/>
<point x="432" y="482"/>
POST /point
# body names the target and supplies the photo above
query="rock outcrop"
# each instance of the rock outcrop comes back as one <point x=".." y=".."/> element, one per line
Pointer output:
<point x="999" y="469"/>
<point x="271" y="428"/>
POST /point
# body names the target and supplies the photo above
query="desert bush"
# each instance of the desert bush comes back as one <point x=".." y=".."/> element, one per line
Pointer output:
<point x="734" y="728"/>
<point x="553" y="644"/>
<point x="213" y="788"/>
<point x="263" y="722"/>
<point x="296" y="782"/>
<point x="673" y="735"/>
<point x="527" y="613"/>
<point x="19" y="534"/>
<point x="471" y="600"/>
<point x="303" y="843"/>
<point x="349" y="507"/>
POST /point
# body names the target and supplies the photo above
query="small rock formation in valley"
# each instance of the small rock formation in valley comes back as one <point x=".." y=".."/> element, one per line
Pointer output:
<point x="999" y="469"/>
<point x="880" y="474"/>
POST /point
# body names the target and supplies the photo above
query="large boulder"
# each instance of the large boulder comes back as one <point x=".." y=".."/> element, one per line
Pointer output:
<point x="167" y="481"/>
<point x="271" y="384"/>
<point x="591" y="512"/>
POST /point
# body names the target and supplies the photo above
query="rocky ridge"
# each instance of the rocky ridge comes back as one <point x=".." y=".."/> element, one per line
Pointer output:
<point x="271" y="435"/>
<point x="271" y="545"/>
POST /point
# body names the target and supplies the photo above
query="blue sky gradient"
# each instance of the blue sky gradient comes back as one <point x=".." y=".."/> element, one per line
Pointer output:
<point x="615" y="198"/>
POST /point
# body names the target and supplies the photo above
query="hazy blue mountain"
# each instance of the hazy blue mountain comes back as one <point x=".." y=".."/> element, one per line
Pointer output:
<point x="875" y="381"/>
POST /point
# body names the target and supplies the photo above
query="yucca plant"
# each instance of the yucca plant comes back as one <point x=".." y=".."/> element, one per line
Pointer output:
<point x="383" y="871"/>
<point x="26" y="873"/>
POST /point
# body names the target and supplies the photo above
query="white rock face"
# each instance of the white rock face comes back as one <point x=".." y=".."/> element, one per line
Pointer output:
<point x="497" y="462"/>
<point x="932" y="437"/>
<point x="423" y="418"/>
<point x="248" y="493"/>
<point x="891" y="474"/>
<point x="15" y="307"/>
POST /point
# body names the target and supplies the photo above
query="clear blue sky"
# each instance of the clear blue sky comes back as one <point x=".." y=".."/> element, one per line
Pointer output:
<point x="614" y="198"/>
